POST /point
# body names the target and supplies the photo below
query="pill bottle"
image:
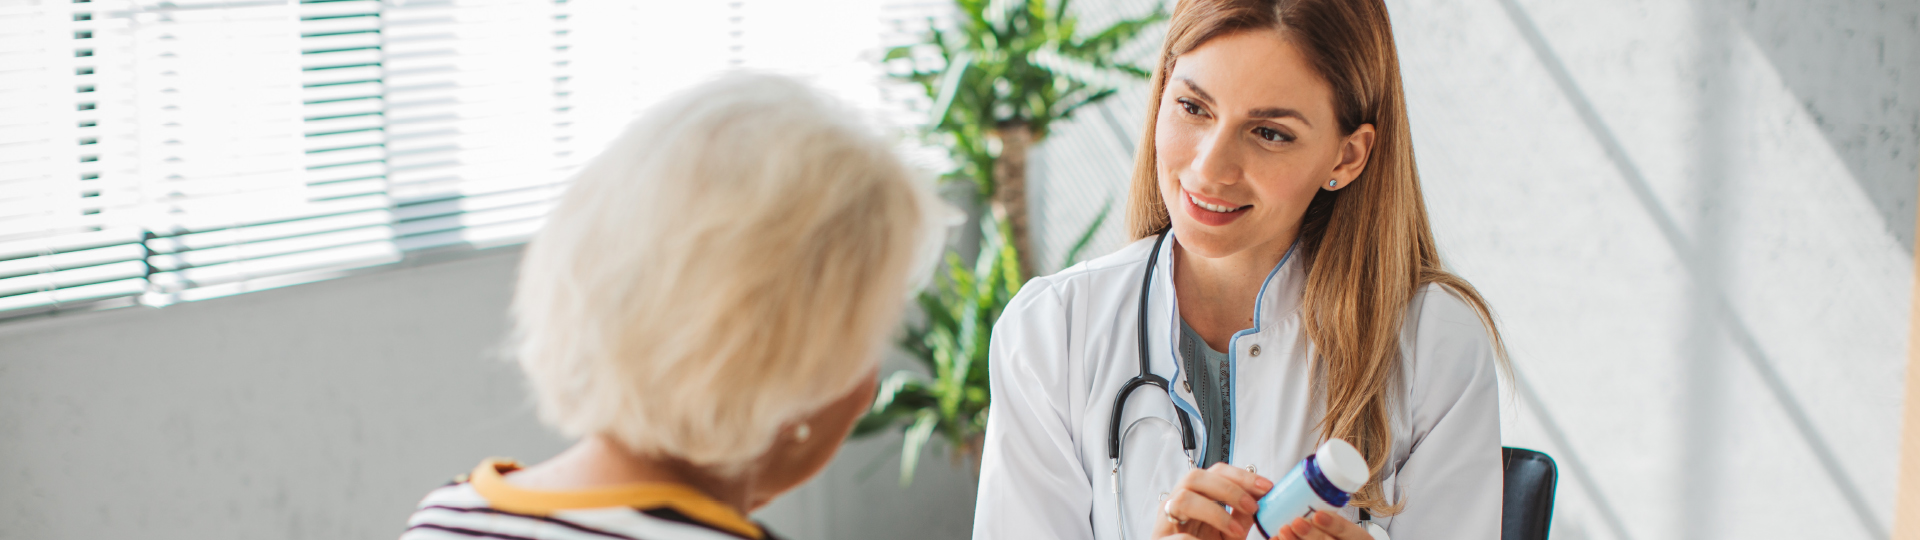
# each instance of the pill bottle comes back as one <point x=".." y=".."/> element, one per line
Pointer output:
<point x="1324" y="481"/>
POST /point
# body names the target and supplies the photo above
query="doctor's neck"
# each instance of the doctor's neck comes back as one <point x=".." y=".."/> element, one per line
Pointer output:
<point x="1218" y="293"/>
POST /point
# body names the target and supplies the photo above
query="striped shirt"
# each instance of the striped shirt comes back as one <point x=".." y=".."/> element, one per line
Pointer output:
<point x="483" y="506"/>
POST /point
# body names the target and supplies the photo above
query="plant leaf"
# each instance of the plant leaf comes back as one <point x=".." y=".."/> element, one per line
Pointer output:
<point x="949" y="88"/>
<point x="916" y="439"/>
<point x="1086" y="237"/>
<point x="896" y="53"/>
<point x="901" y="395"/>
<point x="896" y="384"/>
<point x="1093" y="98"/>
<point x="1104" y="44"/>
<point x="1079" y="70"/>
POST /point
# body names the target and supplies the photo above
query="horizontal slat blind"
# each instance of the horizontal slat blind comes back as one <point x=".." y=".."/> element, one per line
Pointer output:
<point x="473" y="111"/>
<point x="336" y="215"/>
<point x="158" y="151"/>
<point x="221" y="144"/>
<point x="71" y="211"/>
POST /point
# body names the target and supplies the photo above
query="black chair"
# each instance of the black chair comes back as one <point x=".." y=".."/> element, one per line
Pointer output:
<point x="1526" y="506"/>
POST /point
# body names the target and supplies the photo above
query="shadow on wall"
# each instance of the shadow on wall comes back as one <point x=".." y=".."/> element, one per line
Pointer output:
<point x="1874" y="129"/>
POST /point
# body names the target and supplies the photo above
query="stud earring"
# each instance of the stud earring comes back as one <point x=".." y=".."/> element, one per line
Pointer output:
<point x="801" y="433"/>
<point x="1331" y="183"/>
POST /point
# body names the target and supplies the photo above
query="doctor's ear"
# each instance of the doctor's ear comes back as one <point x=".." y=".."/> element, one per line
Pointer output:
<point x="1354" y="149"/>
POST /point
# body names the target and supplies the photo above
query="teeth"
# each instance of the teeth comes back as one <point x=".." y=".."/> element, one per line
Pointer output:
<point x="1210" y="207"/>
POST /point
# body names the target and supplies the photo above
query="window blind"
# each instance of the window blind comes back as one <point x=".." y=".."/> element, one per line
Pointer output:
<point x="70" y="214"/>
<point x="221" y="148"/>
<point x="154" y="152"/>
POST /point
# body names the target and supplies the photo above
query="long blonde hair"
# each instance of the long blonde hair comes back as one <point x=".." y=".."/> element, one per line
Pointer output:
<point x="1368" y="248"/>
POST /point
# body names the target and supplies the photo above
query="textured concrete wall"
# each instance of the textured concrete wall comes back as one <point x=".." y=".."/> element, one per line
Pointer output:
<point x="1702" y="259"/>
<point x="325" y="411"/>
<point x="316" y="411"/>
<point x="1695" y="220"/>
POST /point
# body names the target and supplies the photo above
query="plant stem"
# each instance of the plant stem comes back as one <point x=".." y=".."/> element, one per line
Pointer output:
<point x="1010" y="188"/>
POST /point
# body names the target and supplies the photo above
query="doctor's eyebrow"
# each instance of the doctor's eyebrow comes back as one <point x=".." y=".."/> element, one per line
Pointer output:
<point x="1264" y="112"/>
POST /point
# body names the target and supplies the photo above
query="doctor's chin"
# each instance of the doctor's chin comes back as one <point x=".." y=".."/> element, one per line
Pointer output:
<point x="959" y="270"/>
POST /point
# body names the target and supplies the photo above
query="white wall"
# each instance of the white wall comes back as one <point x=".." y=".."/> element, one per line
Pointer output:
<point x="325" y="411"/>
<point x="1695" y="220"/>
<point x="1704" y="267"/>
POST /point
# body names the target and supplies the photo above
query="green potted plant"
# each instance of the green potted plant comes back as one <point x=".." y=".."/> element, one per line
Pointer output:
<point x="951" y="344"/>
<point x="997" y="80"/>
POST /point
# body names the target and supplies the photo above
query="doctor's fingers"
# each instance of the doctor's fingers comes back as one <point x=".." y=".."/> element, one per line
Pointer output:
<point x="1255" y="485"/>
<point x="1323" y="526"/>
<point x="1227" y="484"/>
<point x="1187" y="506"/>
<point x="1300" y="529"/>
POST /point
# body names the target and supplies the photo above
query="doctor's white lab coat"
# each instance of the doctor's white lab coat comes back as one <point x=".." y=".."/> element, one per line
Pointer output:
<point x="1068" y="342"/>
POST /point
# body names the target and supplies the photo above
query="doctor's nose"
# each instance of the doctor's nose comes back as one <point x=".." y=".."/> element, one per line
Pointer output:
<point x="1215" y="160"/>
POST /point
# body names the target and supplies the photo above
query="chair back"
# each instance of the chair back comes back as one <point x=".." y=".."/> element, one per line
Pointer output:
<point x="1527" y="502"/>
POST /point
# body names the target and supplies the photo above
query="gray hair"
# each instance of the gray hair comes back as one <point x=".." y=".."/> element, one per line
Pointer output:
<point x="732" y="262"/>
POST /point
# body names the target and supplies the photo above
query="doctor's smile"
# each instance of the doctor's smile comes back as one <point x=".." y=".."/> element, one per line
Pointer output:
<point x="1212" y="212"/>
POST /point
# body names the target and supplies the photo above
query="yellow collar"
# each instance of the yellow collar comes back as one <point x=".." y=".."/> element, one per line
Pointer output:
<point x="490" y="481"/>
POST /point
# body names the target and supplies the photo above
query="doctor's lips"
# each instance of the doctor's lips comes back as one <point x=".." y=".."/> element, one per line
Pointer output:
<point x="1209" y="211"/>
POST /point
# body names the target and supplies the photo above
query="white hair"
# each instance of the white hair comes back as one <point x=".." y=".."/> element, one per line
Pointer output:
<point x="732" y="262"/>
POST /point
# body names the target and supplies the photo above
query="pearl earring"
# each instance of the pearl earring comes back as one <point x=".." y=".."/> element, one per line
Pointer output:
<point x="801" y="433"/>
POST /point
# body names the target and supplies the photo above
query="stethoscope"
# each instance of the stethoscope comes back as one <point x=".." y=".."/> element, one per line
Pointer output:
<point x="1144" y="378"/>
<point x="1147" y="378"/>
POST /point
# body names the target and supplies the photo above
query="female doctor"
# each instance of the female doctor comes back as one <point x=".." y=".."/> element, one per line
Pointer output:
<point x="1289" y="291"/>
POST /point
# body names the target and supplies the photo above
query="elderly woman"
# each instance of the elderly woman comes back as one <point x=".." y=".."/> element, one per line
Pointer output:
<point x="703" y="311"/>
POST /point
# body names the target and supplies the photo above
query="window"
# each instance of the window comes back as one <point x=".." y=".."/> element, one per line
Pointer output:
<point x="154" y="152"/>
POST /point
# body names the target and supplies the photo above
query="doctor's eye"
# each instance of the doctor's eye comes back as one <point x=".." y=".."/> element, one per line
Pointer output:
<point x="1271" y="135"/>
<point x="1190" y="107"/>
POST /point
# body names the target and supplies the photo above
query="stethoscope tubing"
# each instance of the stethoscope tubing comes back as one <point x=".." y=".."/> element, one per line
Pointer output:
<point x="1146" y="376"/>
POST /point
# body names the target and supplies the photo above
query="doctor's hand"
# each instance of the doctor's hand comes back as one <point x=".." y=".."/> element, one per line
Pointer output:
<point x="1322" y="526"/>
<point x="1197" y="507"/>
